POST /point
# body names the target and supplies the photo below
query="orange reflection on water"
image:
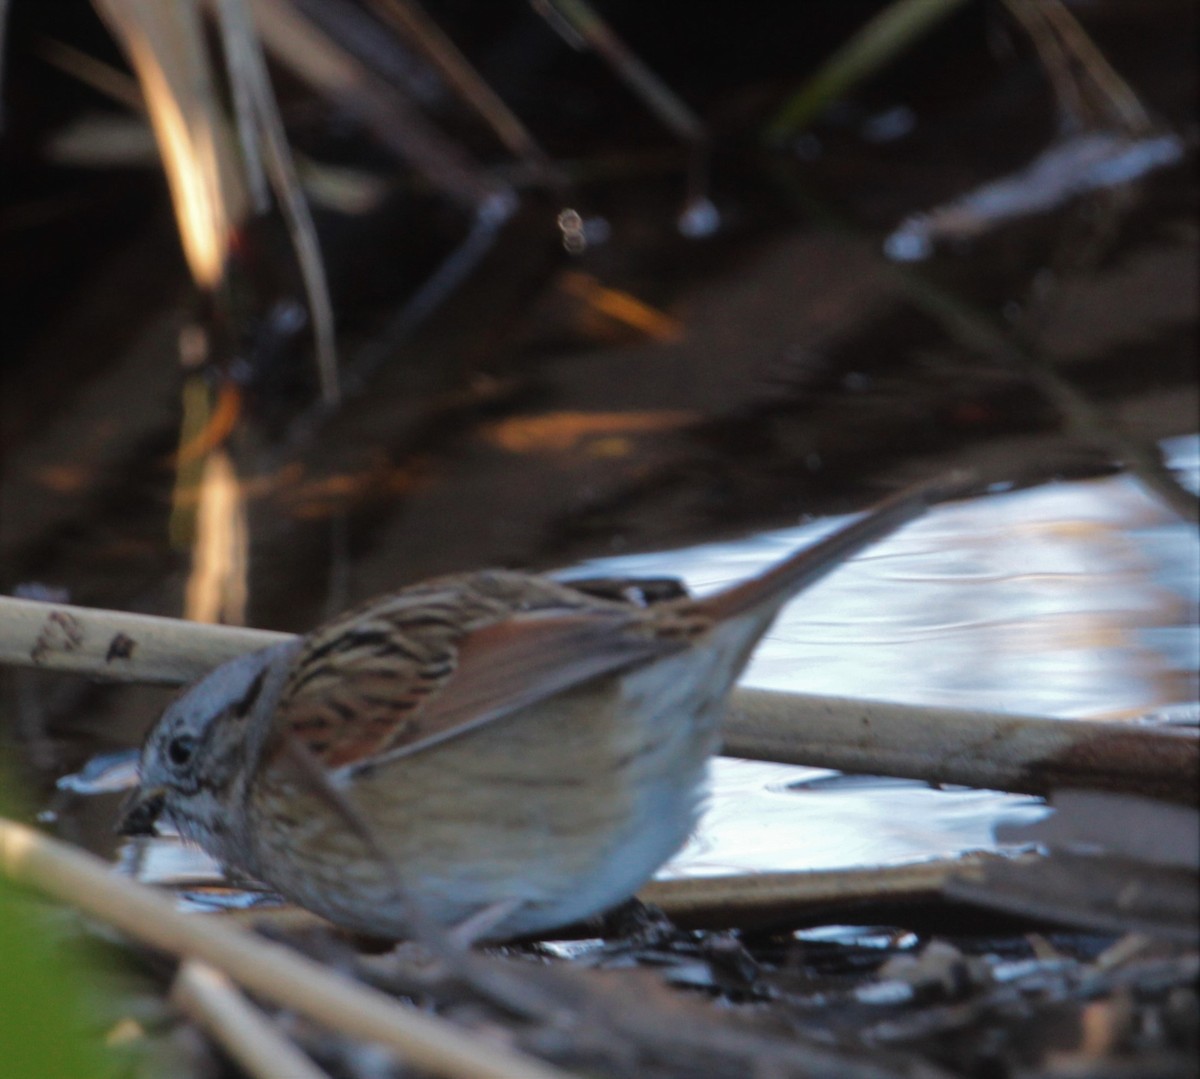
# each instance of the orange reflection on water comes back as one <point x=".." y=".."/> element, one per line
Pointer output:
<point x="64" y="479"/>
<point x="216" y="587"/>
<point x="322" y="496"/>
<point x="217" y="427"/>
<point x="621" y="306"/>
<point x="555" y="432"/>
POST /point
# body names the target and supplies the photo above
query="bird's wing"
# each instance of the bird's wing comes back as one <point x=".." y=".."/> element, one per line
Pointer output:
<point x="365" y="690"/>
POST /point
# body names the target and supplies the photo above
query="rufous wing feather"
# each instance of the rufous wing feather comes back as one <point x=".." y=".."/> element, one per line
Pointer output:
<point x="373" y="711"/>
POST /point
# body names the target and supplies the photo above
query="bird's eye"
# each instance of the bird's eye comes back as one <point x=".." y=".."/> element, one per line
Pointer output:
<point x="180" y="749"/>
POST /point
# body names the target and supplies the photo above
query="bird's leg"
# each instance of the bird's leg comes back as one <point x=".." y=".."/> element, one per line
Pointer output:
<point x="482" y="922"/>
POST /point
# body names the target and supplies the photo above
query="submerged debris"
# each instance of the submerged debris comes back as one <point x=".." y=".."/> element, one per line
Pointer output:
<point x="1087" y="162"/>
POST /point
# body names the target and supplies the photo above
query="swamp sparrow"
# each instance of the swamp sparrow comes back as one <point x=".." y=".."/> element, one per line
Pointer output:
<point x="494" y="748"/>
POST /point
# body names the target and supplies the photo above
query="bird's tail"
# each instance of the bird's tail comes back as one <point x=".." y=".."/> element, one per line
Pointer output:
<point x="766" y="593"/>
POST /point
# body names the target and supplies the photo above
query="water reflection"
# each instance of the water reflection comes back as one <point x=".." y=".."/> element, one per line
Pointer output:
<point x="756" y="822"/>
<point x="1072" y="599"/>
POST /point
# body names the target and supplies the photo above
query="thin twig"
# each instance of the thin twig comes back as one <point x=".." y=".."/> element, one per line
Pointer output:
<point x="270" y="970"/>
<point x="246" y="1034"/>
<point x="1082" y="416"/>
<point x="755" y="899"/>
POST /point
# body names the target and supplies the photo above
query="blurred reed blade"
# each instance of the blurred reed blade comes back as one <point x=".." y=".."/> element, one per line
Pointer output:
<point x="976" y="331"/>
<point x="873" y="47"/>
<point x="217" y="180"/>
<point x="267" y="158"/>
<point x="581" y="26"/>
<point x="1089" y="90"/>
<point x="248" y="1035"/>
<point x="297" y="42"/>
<point x="101" y="77"/>
<point x="588" y="27"/>
<point x="621" y="307"/>
<point x="166" y="47"/>
<point x="407" y="17"/>
<point x="247" y="79"/>
<point x="196" y="419"/>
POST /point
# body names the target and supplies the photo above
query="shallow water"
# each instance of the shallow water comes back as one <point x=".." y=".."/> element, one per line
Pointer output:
<point x="1071" y="599"/>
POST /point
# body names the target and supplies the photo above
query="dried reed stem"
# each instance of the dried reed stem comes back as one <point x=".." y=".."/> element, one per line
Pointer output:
<point x="117" y="645"/>
<point x="1026" y="754"/>
<point x="246" y="1033"/>
<point x="992" y="750"/>
<point x="756" y="899"/>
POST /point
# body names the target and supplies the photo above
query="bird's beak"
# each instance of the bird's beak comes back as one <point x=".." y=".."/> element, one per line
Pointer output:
<point x="141" y="811"/>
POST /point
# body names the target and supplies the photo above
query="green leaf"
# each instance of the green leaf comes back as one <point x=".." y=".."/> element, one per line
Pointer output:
<point x="46" y="1029"/>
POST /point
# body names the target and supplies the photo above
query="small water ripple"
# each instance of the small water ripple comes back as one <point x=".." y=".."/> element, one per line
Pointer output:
<point x="1071" y="599"/>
